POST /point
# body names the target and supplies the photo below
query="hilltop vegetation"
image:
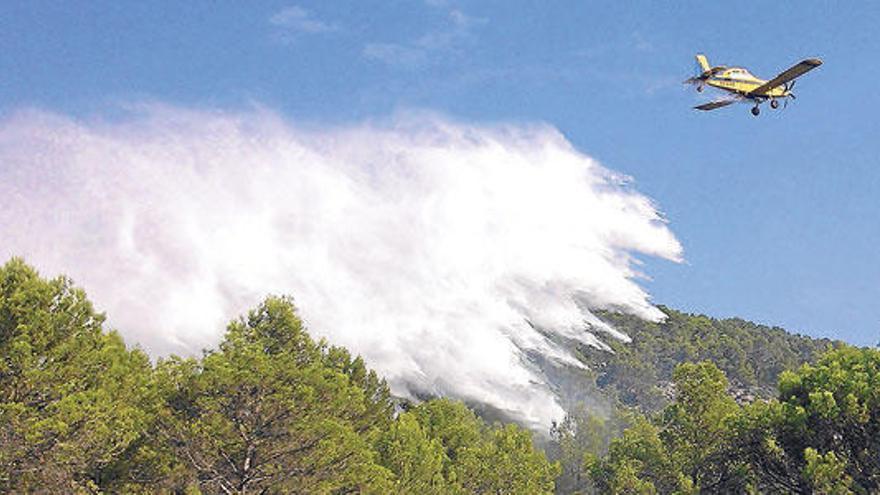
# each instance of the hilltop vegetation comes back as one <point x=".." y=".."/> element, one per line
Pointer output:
<point x="821" y="436"/>
<point x="639" y="373"/>
<point x="271" y="410"/>
<point x="637" y="379"/>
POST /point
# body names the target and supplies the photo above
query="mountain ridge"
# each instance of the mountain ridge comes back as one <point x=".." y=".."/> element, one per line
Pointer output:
<point x="752" y="355"/>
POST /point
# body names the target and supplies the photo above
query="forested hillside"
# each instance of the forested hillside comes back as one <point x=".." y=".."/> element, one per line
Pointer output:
<point x="821" y="436"/>
<point x="639" y="373"/>
<point x="271" y="410"/>
<point x="701" y="405"/>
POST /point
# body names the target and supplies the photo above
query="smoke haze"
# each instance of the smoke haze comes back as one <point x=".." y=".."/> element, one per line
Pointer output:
<point x="431" y="247"/>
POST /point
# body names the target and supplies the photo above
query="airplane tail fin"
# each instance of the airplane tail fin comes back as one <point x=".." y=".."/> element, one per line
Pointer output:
<point x="703" y="63"/>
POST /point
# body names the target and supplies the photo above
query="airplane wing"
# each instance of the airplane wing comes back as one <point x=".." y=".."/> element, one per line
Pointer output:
<point x="795" y="71"/>
<point x="712" y="105"/>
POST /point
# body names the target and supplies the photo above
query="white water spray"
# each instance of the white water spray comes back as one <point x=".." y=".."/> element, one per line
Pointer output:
<point x="433" y="248"/>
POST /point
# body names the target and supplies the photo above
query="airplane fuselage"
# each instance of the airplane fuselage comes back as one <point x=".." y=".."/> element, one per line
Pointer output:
<point x="739" y="81"/>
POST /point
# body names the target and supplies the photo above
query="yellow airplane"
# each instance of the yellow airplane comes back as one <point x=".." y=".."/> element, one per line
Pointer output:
<point x="742" y="85"/>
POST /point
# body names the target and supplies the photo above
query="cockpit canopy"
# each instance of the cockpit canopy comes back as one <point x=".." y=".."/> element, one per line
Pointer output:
<point x="739" y="73"/>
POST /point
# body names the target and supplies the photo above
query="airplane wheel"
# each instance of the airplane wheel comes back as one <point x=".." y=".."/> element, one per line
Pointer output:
<point x="774" y="104"/>
<point x="756" y="111"/>
<point x="699" y="89"/>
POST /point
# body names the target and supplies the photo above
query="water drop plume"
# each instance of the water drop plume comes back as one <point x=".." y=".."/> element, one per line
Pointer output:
<point x="445" y="253"/>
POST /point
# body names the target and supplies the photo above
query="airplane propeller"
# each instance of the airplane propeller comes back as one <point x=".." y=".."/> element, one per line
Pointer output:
<point x="788" y="88"/>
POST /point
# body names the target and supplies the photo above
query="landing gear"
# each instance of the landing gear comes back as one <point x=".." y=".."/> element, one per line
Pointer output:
<point x="700" y="88"/>
<point x="756" y="110"/>
<point x="774" y="104"/>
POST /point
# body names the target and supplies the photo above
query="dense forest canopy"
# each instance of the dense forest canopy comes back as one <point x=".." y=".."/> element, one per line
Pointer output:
<point x="639" y="373"/>
<point x="819" y="436"/>
<point x="272" y="410"/>
<point x="269" y="411"/>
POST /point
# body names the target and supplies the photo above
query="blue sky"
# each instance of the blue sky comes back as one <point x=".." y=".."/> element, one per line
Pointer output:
<point x="778" y="214"/>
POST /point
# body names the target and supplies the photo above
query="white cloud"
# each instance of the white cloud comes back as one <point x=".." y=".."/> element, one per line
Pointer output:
<point x="462" y="20"/>
<point x="295" y="19"/>
<point x="641" y="44"/>
<point x="430" y="247"/>
<point x="394" y="54"/>
<point x="431" y="45"/>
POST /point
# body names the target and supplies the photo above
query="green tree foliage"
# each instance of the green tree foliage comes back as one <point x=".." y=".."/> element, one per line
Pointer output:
<point x="670" y="454"/>
<point x="506" y="463"/>
<point x="73" y="399"/>
<point x="751" y="356"/>
<point x="269" y="411"/>
<point x="826" y="474"/>
<point x="694" y="427"/>
<point x="636" y="463"/>
<point x="579" y="435"/>
<point x="638" y="377"/>
<point x="417" y="460"/>
<point x="833" y="406"/>
<point x="482" y="459"/>
<point x="822" y="436"/>
<point x="272" y="411"/>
